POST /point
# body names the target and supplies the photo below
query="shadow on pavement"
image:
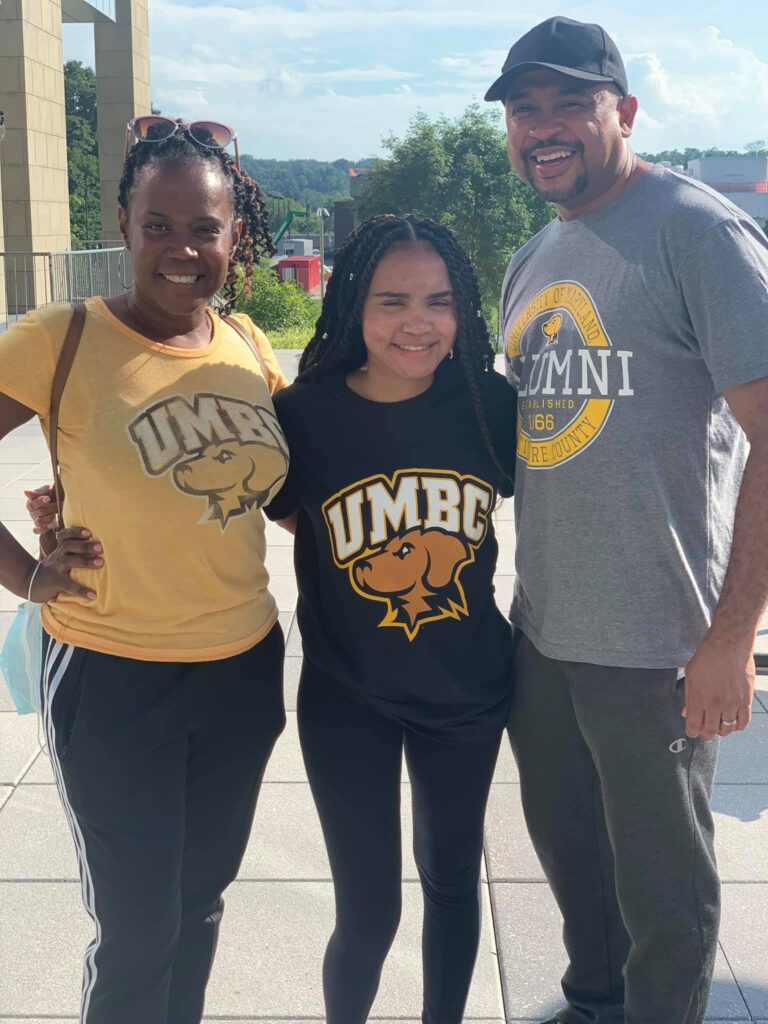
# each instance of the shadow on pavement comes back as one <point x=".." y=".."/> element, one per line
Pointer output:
<point x="727" y="1003"/>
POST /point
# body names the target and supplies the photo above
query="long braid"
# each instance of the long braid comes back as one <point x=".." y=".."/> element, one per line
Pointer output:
<point x="472" y="341"/>
<point x="337" y="343"/>
<point x="247" y="201"/>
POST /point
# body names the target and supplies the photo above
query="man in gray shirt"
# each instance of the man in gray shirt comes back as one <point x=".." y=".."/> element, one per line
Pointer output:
<point x="636" y="333"/>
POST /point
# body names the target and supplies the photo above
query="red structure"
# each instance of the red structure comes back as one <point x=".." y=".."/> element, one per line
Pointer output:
<point x="304" y="270"/>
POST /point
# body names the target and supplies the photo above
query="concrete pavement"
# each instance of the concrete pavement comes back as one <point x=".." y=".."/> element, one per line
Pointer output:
<point x="280" y="910"/>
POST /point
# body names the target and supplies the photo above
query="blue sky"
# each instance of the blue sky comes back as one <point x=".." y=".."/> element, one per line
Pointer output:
<point x="330" y="78"/>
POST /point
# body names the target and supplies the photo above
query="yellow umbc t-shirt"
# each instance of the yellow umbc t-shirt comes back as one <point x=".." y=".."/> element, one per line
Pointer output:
<point x="167" y="455"/>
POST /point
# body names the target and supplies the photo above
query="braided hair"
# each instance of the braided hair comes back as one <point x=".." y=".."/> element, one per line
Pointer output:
<point x="338" y="343"/>
<point x="247" y="201"/>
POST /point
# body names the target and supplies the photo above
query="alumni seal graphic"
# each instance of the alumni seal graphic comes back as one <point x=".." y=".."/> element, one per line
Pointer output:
<point x="568" y="375"/>
<point x="229" y="453"/>
<point x="404" y="542"/>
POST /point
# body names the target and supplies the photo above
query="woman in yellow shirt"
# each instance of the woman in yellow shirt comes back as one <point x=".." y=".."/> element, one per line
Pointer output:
<point x="162" y="678"/>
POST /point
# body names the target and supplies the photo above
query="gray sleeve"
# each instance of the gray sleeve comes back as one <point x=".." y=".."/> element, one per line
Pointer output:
<point x="509" y="371"/>
<point x="724" y="283"/>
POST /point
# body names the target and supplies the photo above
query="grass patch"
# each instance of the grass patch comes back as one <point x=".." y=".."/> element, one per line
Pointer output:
<point x="292" y="337"/>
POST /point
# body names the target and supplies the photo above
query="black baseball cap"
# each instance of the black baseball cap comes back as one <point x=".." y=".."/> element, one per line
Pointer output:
<point x="571" y="47"/>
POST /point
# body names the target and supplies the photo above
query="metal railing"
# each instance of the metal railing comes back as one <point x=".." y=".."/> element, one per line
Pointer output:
<point x="76" y="276"/>
<point x="97" y="243"/>
<point x="29" y="280"/>
<point x="25" y="283"/>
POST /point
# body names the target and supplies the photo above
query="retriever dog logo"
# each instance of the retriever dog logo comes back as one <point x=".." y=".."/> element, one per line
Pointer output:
<point x="416" y="574"/>
<point x="551" y="328"/>
<point x="233" y="475"/>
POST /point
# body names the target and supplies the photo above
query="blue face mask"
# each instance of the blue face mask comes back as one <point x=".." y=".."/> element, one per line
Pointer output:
<point x="21" y="657"/>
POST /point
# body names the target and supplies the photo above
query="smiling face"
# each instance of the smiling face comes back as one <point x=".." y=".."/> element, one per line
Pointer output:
<point x="180" y="229"/>
<point x="566" y="137"/>
<point x="409" y="316"/>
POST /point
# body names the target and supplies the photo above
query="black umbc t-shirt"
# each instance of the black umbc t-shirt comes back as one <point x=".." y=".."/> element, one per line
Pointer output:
<point x="395" y="547"/>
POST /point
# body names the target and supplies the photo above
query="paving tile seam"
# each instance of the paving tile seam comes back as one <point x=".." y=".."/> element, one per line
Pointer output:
<point x="500" y="961"/>
<point x="39" y="881"/>
<point x="14" y="785"/>
<point x="238" y="881"/>
<point x="517" y="881"/>
<point x="515" y="782"/>
<point x="722" y="785"/>
<point x="495" y="933"/>
<point x="543" y="882"/>
<point x="735" y="980"/>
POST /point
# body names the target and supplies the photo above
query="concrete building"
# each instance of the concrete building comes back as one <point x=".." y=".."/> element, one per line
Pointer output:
<point x="742" y="179"/>
<point x="295" y="246"/>
<point x="3" y="303"/>
<point x="35" y="191"/>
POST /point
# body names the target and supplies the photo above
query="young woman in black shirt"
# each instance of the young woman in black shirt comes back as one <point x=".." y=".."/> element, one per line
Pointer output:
<point x="402" y="438"/>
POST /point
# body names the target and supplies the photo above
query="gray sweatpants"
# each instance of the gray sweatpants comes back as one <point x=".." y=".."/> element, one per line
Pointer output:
<point x="616" y="800"/>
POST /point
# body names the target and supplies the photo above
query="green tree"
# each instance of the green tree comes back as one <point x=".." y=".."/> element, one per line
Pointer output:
<point x="82" y="151"/>
<point x="457" y="173"/>
<point x="275" y="306"/>
<point x="310" y="183"/>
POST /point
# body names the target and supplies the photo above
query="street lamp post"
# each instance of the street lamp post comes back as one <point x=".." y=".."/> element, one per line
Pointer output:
<point x="321" y="214"/>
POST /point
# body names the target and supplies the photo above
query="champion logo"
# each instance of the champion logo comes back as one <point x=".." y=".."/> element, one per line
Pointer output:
<point x="678" y="746"/>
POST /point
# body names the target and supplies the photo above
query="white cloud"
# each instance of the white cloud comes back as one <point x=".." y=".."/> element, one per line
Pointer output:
<point x="329" y="78"/>
<point x="177" y="69"/>
<point x="481" y="67"/>
<point x="375" y="74"/>
<point x="701" y="86"/>
<point x="345" y="17"/>
<point x="187" y="103"/>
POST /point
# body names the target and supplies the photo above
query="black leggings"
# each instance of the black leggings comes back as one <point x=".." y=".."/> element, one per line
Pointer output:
<point x="353" y="758"/>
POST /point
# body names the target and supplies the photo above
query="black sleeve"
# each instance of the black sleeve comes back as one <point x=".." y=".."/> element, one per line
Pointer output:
<point x="501" y="406"/>
<point x="286" y="501"/>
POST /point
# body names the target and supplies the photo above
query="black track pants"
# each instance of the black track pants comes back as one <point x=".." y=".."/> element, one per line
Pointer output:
<point x="353" y="758"/>
<point x="158" y="766"/>
<point x="616" y="801"/>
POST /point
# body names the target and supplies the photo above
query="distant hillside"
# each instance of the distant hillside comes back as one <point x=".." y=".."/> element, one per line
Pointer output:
<point x="307" y="181"/>
<point x="684" y="156"/>
<point x="318" y="182"/>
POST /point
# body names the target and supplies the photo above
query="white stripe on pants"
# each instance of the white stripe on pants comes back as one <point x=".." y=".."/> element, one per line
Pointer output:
<point x="57" y="659"/>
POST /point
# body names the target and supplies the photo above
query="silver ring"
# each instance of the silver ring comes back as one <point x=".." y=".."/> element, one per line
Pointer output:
<point x="728" y="724"/>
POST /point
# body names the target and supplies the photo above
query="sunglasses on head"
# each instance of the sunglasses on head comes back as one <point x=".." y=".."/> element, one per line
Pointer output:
<point x="154" y="128"/>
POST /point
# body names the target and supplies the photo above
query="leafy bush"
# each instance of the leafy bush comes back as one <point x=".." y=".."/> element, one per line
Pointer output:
<point x="277" y="307"/>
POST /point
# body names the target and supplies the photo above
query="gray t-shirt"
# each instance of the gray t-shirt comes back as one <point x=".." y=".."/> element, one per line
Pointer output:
<point x="622" y="330"/>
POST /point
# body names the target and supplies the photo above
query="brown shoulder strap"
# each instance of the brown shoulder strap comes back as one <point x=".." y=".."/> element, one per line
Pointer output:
<point x="64" y="365"/>
<point x="251" y="344"/>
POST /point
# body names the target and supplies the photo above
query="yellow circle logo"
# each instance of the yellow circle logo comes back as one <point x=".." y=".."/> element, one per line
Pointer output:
<point x="562" y="406"/>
